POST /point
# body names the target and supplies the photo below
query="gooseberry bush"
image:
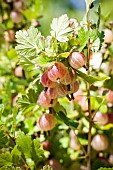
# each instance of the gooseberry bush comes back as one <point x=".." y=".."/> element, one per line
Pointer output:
<point x="64" y="117"/>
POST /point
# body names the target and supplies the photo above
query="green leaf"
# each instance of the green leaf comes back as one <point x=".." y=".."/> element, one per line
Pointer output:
<point x="99" y="15"/>
<point x="105" y="168"/>
<point x="12" y="54"/>
<point x="24" y="143"/>
<point x="5" y="160"/>
<point x="29" y="43"/>
<point x="109" y="83"/>
<point x="1" y="109"/>
<point x="91" y="79"/>
<point x="83" y="36"/>
<point x="3" y="140"/>
<point x="97" y="41"/>
<point x="29" y="65"/>
<point x="59" y="107"/>
<point x="34" y="11"/>
<point x="29" y="101"/>
<point x="71" y="123"/>
<point x="43" y="61"/>
<point x="38" y="149"/>
<point x="64" y="55"/>
<point x="60" y="28"/>
<point x="15" y="153"/>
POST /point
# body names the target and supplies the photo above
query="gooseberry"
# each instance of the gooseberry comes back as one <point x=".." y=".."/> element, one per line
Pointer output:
<point x="57" y="72"/>
<point x="46" y="82"/>
<point x="47" y="122"/>
<point x="77" y="60"/>
<point x="100" y="142"/>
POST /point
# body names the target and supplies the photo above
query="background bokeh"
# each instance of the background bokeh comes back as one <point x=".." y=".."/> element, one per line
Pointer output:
<point x="74" y="8"/>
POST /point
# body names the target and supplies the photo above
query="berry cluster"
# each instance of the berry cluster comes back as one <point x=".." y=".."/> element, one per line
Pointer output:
<point x="59" y="81"/>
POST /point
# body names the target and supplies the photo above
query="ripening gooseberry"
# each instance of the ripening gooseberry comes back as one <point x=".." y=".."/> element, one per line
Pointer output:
<point x="47" y="122"/>
<point x="46" y="145"/>
<point x="74" y="86"/>
<point x="74" y="143"/>
<point x="55" y="164"/>
<point x="18" y="71"/>
<point x="62" y="90"/>
<point x="100" y="142"/>
<point x="69" y="78"/>
<point x="57" y="72"/>
<point x="108" y="36"/>
<point x="52" y="93"/>
<point x="18" y="4"/>
<point x="101" y="118"/>
<point x="46" y="82"/>
<point x="16" y="16"/>
<point x="45" y="101"/>
<point x="77" y="60"/>
<point x="109" y="97"/>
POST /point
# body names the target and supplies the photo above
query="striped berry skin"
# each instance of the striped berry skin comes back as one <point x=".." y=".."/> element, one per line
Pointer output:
<point x="77" y="60"/>
<point x="45" y="101"/>
<point x="62" y="90"/>
<point x="69" y="78"/>
<point x="74" y="86"/>
<point x="46" y="122"/>
<point x="57" y="72"/>
<point x="52" y="93"/>
<point x="46" y="82"/>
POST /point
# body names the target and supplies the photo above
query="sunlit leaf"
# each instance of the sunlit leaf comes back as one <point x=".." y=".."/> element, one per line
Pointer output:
<point x="83" y="36"/>
<point x="60" y="28"/>
<point x="29" y="43"/>
<point x="24" y="143"/>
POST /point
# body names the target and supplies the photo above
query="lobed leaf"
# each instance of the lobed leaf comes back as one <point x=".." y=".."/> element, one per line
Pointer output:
<point x="60" y="28"/>
<point x="29" y="65"/>
<point x="24" y="143"/>
<point x="15" y="153"/>
<point x="29" y="43"/>
<point x="5" y="160"/>
<point x="3" y="140"/>
<point x="83" y="36"/>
